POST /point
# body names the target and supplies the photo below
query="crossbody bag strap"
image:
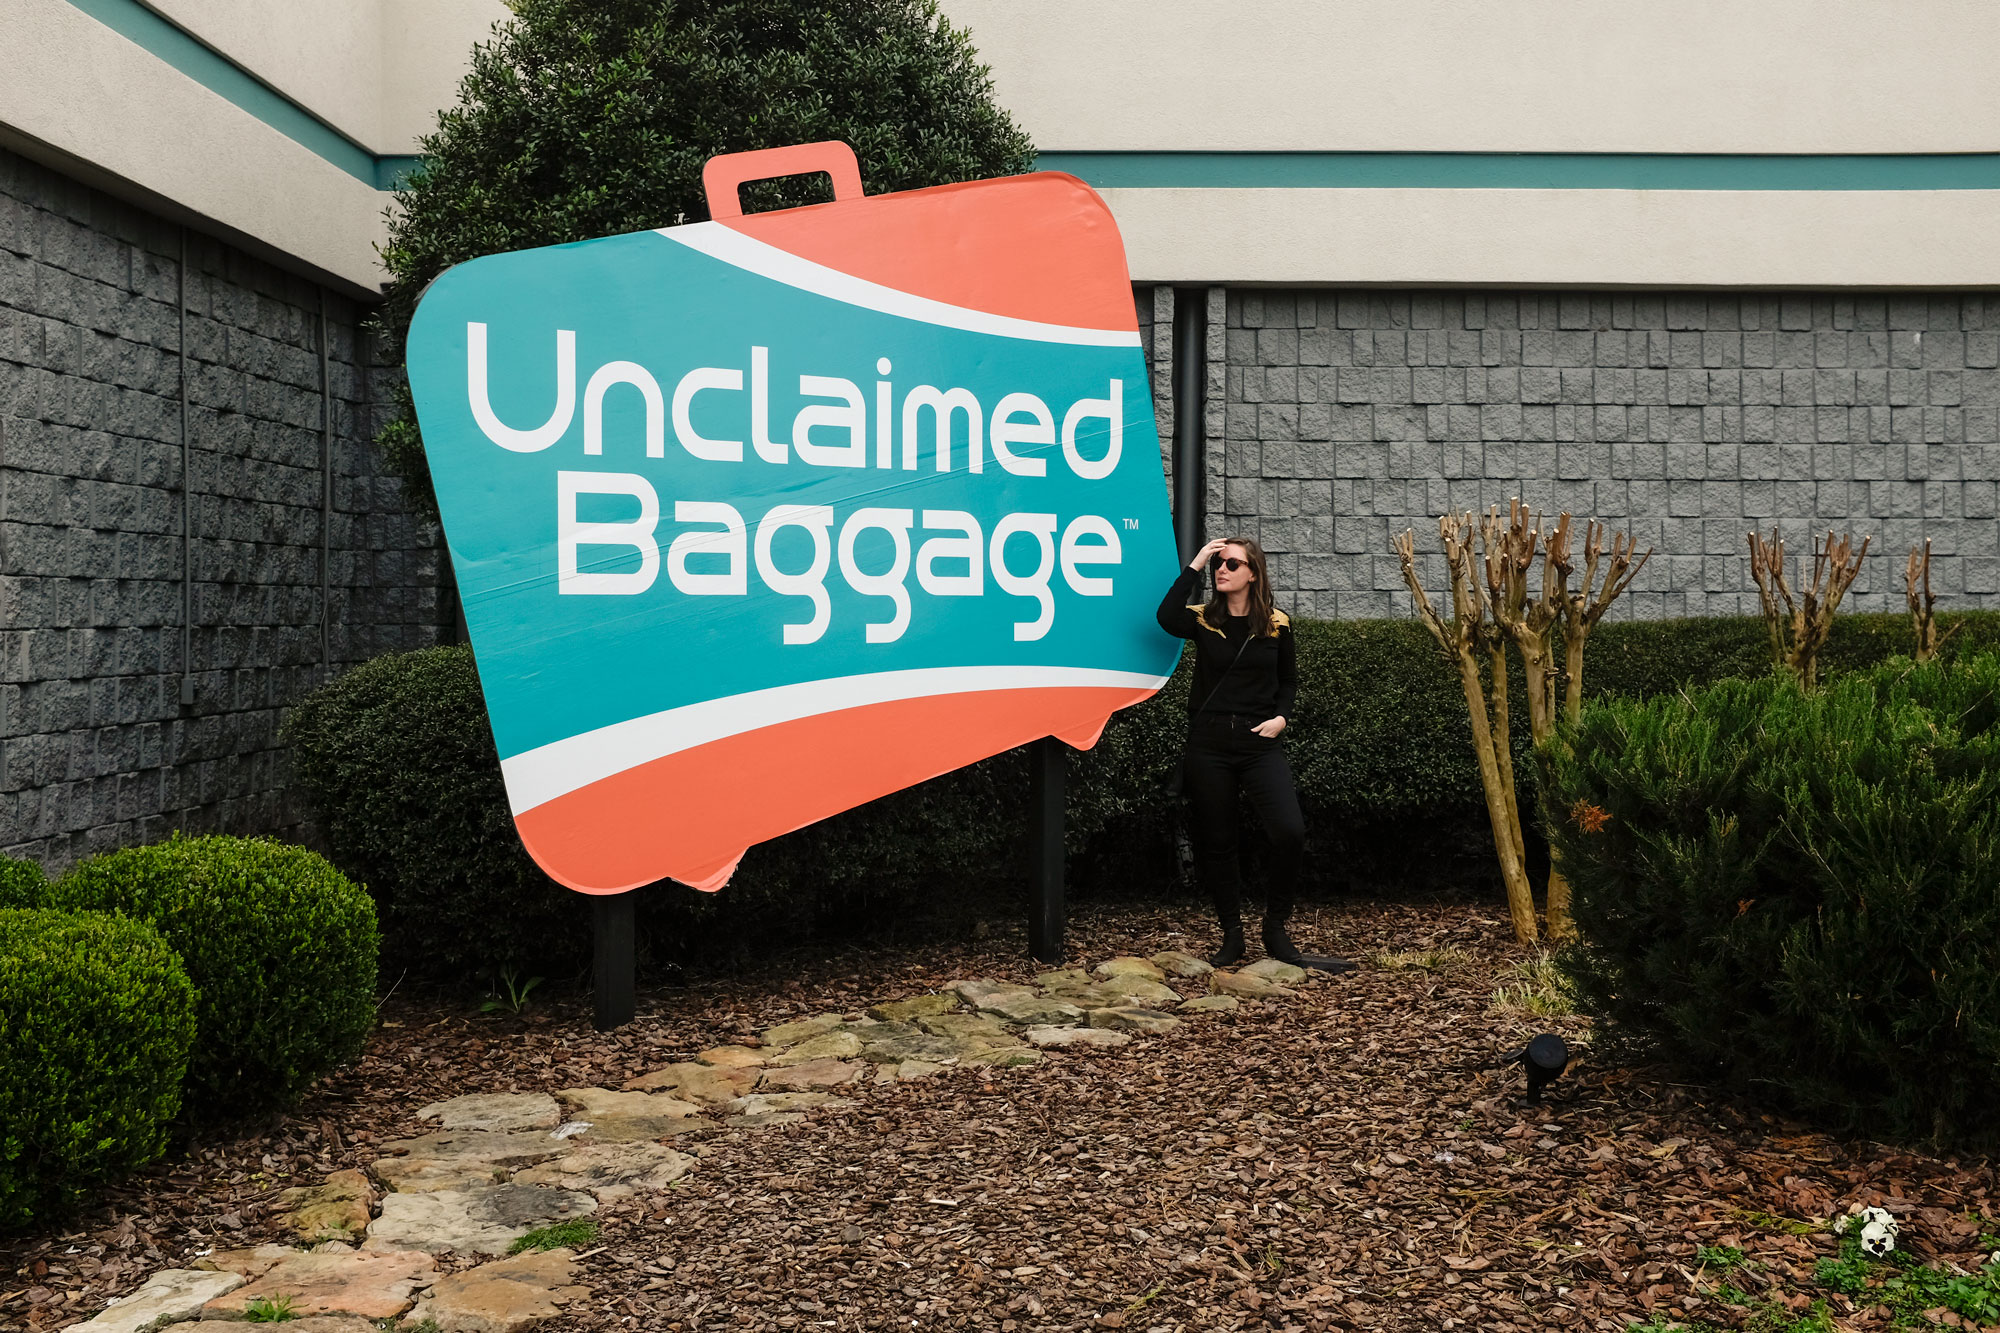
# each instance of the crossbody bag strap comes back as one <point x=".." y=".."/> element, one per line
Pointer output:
<point x="1218" y="680"/>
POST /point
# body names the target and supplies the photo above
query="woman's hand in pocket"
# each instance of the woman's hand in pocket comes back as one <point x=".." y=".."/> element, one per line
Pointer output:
<point x="1269" y="730"/>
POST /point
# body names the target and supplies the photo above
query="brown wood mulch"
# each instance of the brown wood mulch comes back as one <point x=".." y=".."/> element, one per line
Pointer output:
<point x="1351" y="1159"/>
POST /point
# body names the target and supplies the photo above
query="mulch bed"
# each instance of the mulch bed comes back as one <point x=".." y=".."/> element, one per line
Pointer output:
<point x="1353" y="1159"/>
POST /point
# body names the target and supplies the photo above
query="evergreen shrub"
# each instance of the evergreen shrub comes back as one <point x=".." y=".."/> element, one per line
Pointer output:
<point x="586" y="118"/>
<point x="280" y="946"/>
<point x="96" y="1022"/>
<point x="22" y="883"/>
<point x="399" y="760"/>
<point x="1798" y="895"/>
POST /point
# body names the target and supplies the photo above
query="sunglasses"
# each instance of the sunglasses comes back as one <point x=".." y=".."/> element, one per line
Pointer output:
<point x="1228" y="562"/>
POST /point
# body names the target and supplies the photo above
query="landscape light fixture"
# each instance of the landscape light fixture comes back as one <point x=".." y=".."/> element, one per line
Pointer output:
<point x="1545" y="1056"/>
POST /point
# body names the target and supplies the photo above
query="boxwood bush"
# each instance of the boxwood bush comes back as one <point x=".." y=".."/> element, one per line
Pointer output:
<point x="280" y="946"/>
<point x="96" y="1022"/>
<point x="399" y="760"/>
<point x="1798" y="895"/>
<point x="22" y="883"/>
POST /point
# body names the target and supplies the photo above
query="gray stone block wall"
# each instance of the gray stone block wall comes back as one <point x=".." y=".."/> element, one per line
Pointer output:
<point x="1688" y="418"/>
<point x="96" y="749"/>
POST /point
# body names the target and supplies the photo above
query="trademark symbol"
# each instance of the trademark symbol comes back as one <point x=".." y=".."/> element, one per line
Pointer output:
<point x="1131" y="525"/>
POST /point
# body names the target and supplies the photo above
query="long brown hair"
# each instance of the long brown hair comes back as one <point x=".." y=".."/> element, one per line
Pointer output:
<point x="1261" y="621"/>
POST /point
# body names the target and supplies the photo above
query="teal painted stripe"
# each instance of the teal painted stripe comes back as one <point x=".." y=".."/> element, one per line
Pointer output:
<point x="1196" y="170"/>
<point x="225" y="78"/>
<point x="1533" y="171"/>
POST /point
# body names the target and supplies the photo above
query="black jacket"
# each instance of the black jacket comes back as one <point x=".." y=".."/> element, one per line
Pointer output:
<point x="1263" y="683"/>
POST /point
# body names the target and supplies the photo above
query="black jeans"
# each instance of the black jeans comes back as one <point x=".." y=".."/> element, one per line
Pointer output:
<point x="1227" y="760"/>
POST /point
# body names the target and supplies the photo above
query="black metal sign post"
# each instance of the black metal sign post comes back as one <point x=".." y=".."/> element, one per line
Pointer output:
<point x="1047" y="775"/>
<point x="614" y="961"/>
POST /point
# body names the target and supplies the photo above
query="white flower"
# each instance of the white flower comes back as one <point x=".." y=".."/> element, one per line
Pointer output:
<point x="1878" y="1232"/>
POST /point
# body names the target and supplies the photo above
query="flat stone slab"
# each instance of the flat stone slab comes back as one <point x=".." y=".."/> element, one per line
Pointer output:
<point x="835" y="1044"/>
<point x="1134" y="989"/>
<point x="1026" y="1009"/>
<point x="917" y="1006"/>
<point x="619" y="1117"/>
<point x="1248" y="987"/>
<point x="337" y="1210"/>
<point x="1083" y="994"/>
<point x="1068" y="977"/>
<point x="893" y="1041"/>
<point x="372" y="1285"/>
<point x="247" y="1264"/>
<point x="1211" y="1004"/>
<point x="506" y="1296"/>
<point x="810" y="1074"/>
<point x="979" y="989"/>
<point x="908" y="1069"/>
<point x="1004" y="1057"/>
<point x="1133" y="1020"/>
<point x="455" y="1158"/>
<point x="764" y="1103"/>
<point x="970" y="1032"/>
<point x="494" y="1110"/>
<point x="1270" y="969"/>
<point x="168" y="1297"/>
<point x="729" y="1057"/>
<point x="610" y="1171"/>
<point x="791" y="1034"/>
<point x="1045" y="1036"/>
<point x="472" y="1221"/>
<point x="1125" y="965"/>
<point x="695" y="1082"/>
<point x="1182" y="964"/>
<point x="768" y="1120"/>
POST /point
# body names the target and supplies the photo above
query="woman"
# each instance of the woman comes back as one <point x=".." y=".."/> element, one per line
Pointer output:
<point x="1245" y="681"/>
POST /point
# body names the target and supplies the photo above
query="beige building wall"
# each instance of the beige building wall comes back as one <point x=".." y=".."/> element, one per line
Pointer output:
<point x="119" y="113"/>
<point x="1562" y="77"/>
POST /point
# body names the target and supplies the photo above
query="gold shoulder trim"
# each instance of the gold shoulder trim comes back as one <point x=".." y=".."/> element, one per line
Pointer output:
<point x="1279" y="620"/>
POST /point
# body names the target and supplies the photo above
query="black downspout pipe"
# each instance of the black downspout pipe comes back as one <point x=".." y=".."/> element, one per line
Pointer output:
<point x="1190" y="416"/>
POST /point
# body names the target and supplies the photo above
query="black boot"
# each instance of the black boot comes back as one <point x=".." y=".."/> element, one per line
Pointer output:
<point x="1229" y="912"/>
<point x="1278" y="944"/>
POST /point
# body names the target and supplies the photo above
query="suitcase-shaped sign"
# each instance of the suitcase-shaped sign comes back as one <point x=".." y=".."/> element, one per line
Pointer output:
<point x="760" y="518"/>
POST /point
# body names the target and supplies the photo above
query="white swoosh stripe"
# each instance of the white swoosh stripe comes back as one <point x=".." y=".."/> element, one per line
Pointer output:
<point x="734" y="248"/>
<point x="560" y="767"/>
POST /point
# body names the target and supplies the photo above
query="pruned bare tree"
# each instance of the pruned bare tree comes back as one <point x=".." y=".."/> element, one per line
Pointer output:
<point x="1496" y="600"/>
<point x="1467" y="636"/>
<point x="1923" y="602"/>
<point x="1799" y="625"/>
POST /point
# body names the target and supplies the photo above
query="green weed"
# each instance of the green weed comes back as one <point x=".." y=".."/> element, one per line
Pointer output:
<point x="270" y="1310"/>
<point x="557" y="1236"/>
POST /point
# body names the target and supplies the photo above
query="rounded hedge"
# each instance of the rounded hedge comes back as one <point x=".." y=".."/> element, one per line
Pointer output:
<point x="22" y="883"/>
<point x="96" y="1023"/>
<point x="398" y="760"/>
<point x="280" y="946"/>
<point x="1798" y="894"/>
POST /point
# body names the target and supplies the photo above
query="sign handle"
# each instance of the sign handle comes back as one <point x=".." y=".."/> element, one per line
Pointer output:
<point x="723" y="175"/>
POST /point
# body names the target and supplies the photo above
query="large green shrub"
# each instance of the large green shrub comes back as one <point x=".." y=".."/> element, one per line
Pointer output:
<point x="22" y="883"/>
<point x="586" y="118"/>
<point x="280" y="946"/>
<point x="1799" y="894"/>
<point x="96" y="1021"/>
<point x="399" y="760"/>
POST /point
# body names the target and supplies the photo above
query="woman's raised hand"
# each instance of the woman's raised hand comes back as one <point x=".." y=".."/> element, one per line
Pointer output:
<point x="1206" y="554"/>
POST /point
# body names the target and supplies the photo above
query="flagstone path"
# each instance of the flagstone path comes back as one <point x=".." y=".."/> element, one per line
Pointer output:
<point x="423" y="1236"/>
